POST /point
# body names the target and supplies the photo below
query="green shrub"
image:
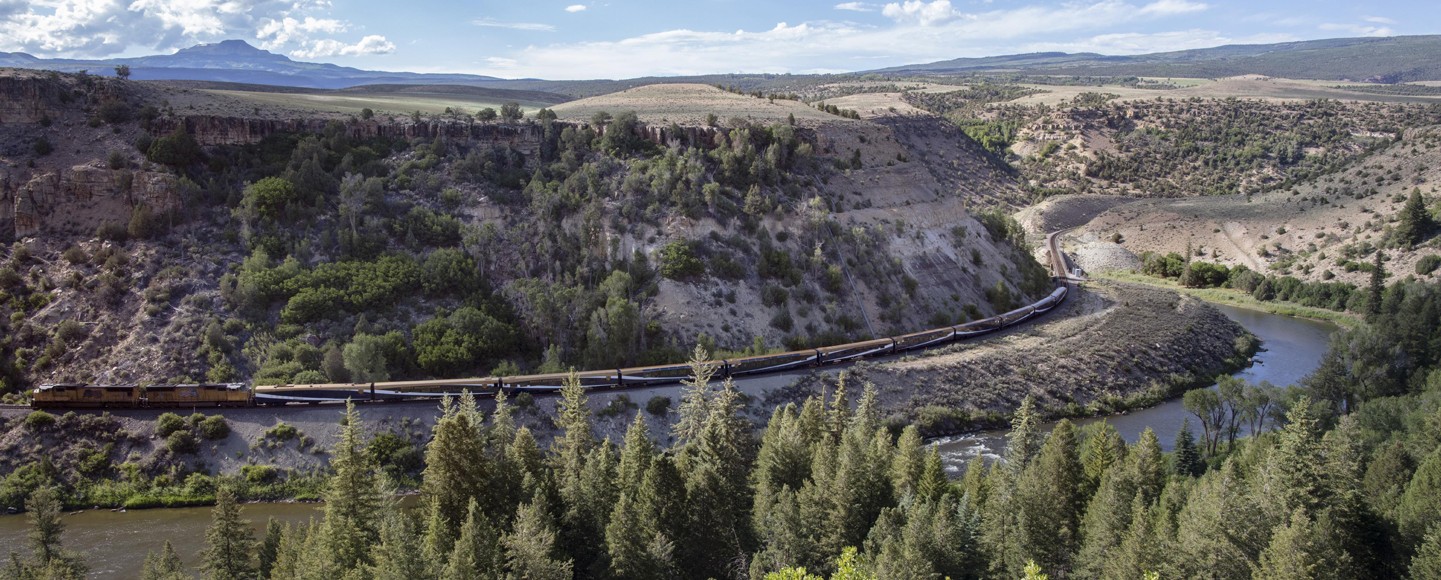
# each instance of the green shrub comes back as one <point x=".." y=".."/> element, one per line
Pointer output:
<point x="182" y="442"/>
<point x="75" y="255"/>
<point x="282" y="432"/>
<point x="1428" y="264"/>
<point x="168" y="423"/>
<point x="213" y="427"/>
<point x="678" y="261"/>
<point x="658" y="405"/>
<point x="259" y="473"/>
<point x="38" y="420"/>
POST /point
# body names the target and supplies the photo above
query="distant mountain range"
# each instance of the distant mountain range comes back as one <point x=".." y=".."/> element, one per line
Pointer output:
<point x="1383" y="60"/>
<point x="236" y="61"/>
<point x="1380" y="60"/>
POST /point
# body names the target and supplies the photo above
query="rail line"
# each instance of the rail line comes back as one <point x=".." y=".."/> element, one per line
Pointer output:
<point x="83" y="396"/>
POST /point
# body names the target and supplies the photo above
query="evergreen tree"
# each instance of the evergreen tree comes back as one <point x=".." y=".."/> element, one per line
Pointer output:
<point x="1420" y="507"/>
<point x="1293" y="472"/>
<point x="228" y="541"/>
<point x="476" y="555"/>
<point x="1186" y="461"/>
<point x="909" y="463"/>
<point x="163" y="566"/>
<point x="1415" y="223"/>
<point x="353" y="501"/>
<point x="1025" y="438"/>
<point x="1376" y="289"/>
<point x="934" y="482"/>
<point x="1293" y="553"/>
<point x="49" y="558"/>
<point x="1427" y="563"/>
<point x="456" y="471"/>
<point x="1220" y="532"/>
<point x="530" y="549"/>
<point x="1148" y="466"/>
<point x="1137" y="553"/>
<point x="1102" y="448"/>
<point x="1049" y="502"/>
<point x="399" y="555"/>
<point x="717" y="471"/>
<point x="269" y="548"/>
<point x="692" y="412"/>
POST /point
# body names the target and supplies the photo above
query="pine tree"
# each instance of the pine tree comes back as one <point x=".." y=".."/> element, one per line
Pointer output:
<point x="1420" y="507"/>
<point x="717" y="491"/>
<point x="1293" y="553"/>
<point x="530" y="549"/>
<point x="1148" y="466"/>
<point x="1101" y="449"/>
<point x="1137" y="552"/>
<point x="1049" y="502"/>
<point x="1427" y="562"/>
<point x="228" y="541"/>
<point x="1376" y="289"/>
<point x="1293" y="472"/>
<point x="934" y="482"/>
<point x="909" y="463"/>
<point x="1025" y="438"/>
<point x="353" y="502"/>
<point x="163" y="566"/>
<point x="692" y="412"/>
<point x="1415" y="223"/>
<point x="476" y="555"/>
<point x="1221" y="530"/>
<point x="269" y="548"/>
<point x="1108" y="517"/>
<point x="1186" y="461"/>
<point x="456" y="471"/>
<point x="399" y="555"/>
<point x="49" y="557"/>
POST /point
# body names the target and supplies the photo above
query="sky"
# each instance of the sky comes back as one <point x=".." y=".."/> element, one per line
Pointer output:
<point x="570" y="39"/>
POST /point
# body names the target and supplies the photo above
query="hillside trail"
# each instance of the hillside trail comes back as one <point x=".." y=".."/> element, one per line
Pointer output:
<point x="1233" y="239"/>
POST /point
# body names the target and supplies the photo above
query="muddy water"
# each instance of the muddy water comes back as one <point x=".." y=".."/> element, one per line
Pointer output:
<point x="1293" y="347"/>
<point x="114" y="544"/>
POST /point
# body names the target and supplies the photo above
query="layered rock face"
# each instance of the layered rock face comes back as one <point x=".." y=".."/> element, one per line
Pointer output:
<point x="79" y="199"/>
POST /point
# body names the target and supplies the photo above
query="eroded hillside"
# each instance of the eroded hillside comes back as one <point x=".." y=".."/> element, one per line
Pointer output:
<point x="163" y="233"/>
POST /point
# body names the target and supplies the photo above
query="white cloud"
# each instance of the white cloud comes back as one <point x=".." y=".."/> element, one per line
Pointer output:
<point x="1357" y="29"/>
<point x="92" y="28"/>
<point x="1379" y="20"/>
<point x="573" y="8"/>
<point x="278" y="33"/>
<point x="372" y="44"/>
<point x="1172" y="7"/>
<point x="920" y="12"/>
<point x="532" y="26"/>
<point x="856" y="7"/>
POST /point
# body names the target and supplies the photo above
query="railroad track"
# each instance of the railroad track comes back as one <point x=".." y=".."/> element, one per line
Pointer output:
<point x="91" y="396"/>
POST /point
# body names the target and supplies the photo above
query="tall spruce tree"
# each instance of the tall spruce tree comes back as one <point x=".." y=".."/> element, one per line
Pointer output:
<point x="228" y="541"/>
<point x="695" y="396"/>
<point x="1049" y="502"/>
<point x="1186" y="460"/>
<point x="353" y="500"/>
<point x="269" y="548"/>
<point x="1026" y="437"/>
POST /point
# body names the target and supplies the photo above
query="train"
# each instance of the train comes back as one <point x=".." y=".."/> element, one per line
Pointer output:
<point x="83" y="396"/>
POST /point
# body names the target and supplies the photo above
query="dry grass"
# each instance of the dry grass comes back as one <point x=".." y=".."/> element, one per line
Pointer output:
<point x="688" y="104"/>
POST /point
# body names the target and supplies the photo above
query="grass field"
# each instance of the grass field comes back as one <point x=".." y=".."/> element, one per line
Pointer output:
<point x="381" y="103"/>
<point x="1239" y="299"/>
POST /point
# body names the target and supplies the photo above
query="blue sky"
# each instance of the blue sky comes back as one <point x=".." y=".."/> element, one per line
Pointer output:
<point x="570" y="39"/>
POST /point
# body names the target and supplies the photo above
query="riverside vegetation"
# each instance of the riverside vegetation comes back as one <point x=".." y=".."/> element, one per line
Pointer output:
<point x="1340" y="479"/>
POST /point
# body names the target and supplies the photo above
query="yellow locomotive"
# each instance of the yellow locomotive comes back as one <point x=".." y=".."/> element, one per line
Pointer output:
<point x="81" y="396"/>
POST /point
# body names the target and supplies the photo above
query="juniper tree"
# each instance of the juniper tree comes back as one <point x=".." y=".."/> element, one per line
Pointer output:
<point x="1415" y="223"/>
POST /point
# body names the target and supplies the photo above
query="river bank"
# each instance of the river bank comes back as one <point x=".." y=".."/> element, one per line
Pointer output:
<point x="1236" y="298"/>
<point x="1291" y="349"/>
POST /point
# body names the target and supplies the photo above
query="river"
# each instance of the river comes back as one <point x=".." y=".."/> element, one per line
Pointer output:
<point x="115" y="543"/>
<point x="1291" y="349"/>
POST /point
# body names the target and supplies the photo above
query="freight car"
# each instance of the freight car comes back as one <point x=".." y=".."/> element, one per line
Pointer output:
<point x="236" y="394"/>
